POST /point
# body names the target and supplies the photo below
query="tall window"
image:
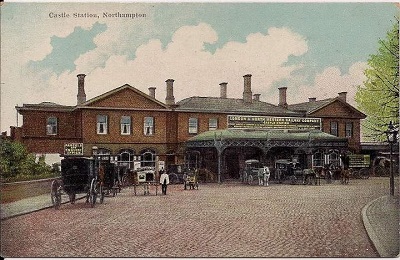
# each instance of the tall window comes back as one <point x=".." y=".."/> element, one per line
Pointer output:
<point x="349" y="129"/>
<point x="334" y="158"/>
<point x="125" y="125"/>
<point x="212" y="124"/>
<point x="51" y="126"/>
<point x="148" y="126"/>
<point x="334" y="128"/>
<point x="318" y="159"/>
<point x="101" y="124"/>
<point x="192" y="125"/>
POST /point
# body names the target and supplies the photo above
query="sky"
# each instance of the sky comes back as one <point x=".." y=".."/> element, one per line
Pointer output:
<point x="313" y="49"/>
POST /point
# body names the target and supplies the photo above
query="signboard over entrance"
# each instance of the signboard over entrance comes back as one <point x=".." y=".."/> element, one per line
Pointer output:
<point x="267" y="122"/>
<point x="359" y="160"/>
<point x="73" y="149"/>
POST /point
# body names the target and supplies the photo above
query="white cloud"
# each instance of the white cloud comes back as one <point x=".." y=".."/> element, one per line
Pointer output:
<point x="197" y="72"/>
<point x="330" y="82"/>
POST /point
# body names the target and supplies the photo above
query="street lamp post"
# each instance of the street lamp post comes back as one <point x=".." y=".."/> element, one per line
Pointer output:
<point x="391" y="135"/>
<point x="94" y="153"/>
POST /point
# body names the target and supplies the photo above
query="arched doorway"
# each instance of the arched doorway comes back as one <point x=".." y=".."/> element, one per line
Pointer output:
<point x="147" y="158"/>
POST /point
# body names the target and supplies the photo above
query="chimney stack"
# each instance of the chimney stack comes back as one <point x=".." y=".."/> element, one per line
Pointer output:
<point x="247" y="94"/>
<point x="223" y="89"/>
<point x="342" y="96"/>
<point x="282" y="97"/>
<point x="152" y="92"/>
<point x="312" y="99"/>
<point x="256" y="97"/>
<point x="81" y="97"/>
<point x="170" y="99"/>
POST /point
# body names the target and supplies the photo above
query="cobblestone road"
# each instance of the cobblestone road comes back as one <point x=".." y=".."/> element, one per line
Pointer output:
<point x="228" y="220"/>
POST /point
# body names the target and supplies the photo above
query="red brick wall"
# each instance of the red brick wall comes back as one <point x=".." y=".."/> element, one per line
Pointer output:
<point x="183" y="125"/>
<point x="35" y="122"/>
<point x="127" y="98"/>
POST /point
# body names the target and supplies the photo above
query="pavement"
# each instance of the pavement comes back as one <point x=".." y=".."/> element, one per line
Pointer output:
<point x="380" y="218"/>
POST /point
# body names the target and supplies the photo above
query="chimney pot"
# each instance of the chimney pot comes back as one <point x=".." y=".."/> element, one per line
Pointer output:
<point x="343" y="96"/>
<point x="247" y="94"/>
<point x="152" y="92"/>
<point x="223" y="89"/>
<point x="170" y="99"/>
<point x="81" y="97"/>
<point x="312" y="99"/>
<point x="282" y="97"/>
<point x="256" y="97"/>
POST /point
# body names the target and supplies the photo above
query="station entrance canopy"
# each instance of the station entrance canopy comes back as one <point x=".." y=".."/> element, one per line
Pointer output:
<point x="266" y="139"/>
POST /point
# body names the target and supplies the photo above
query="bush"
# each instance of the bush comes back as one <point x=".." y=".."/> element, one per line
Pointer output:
<point x="17" y="163"/>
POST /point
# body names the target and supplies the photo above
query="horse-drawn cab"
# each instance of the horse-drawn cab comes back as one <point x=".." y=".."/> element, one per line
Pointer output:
<point x="251" y="170"/>
<point x="191" y="179"/>
<point x="286" y="169"/>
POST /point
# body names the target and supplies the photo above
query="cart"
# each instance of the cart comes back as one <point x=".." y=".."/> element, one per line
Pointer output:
<point x="145" y="177"/>
<point x="191" y="180"/>
<point x="78" y="175"/>
<point x="251" y="171"/>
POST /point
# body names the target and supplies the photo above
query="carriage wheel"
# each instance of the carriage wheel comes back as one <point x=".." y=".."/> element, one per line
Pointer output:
<point x="72" y="198"/>
<point x="55" y="194"/>
<point x="364" y="173"/>
<point x="92" y="193"/>
<point x="101" y="191"/>
<point x="250" y="179"/>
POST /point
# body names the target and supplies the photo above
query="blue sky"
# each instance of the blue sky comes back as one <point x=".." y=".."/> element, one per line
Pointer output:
<point x="315" y="49"/>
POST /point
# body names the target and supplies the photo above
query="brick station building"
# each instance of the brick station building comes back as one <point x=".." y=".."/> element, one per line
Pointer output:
<point x="135" y="128"/>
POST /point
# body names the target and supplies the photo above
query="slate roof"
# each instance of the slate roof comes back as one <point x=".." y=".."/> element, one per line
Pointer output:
<point x="46" y="106"/>
<point x="309" y="107"/>
<point x="231" y="105"/>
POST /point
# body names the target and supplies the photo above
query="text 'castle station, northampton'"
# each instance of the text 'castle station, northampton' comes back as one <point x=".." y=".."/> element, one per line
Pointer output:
<point x="218" y="133"/>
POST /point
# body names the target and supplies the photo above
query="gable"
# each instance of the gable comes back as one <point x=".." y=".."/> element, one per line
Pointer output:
<point x="339" y="109"/>
<point x="125" y="97"/>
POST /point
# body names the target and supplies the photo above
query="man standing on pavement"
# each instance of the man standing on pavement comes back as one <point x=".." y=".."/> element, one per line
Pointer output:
<point x="164" y="181"/>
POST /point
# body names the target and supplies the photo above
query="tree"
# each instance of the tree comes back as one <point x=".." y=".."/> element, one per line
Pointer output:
<point x="378" y="97"/>
<point x="15" y="160"/>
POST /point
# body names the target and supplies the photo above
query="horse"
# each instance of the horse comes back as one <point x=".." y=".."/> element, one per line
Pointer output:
<point x="345" y="176"/>
<point x="308" y="176"/>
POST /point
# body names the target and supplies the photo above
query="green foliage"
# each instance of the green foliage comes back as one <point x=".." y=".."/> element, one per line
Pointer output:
<point x="378" y="98"/>
<point x="16" y="162"/>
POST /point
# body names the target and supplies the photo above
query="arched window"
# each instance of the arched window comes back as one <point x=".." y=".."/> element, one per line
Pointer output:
<point x="334" y="158"/>
<point x="126" y="157"/>
<point x="148" y="158"/>
<point x="318" y="159"/>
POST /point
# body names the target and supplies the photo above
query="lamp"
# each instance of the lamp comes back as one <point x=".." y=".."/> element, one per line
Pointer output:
<point x="391" y="135"/>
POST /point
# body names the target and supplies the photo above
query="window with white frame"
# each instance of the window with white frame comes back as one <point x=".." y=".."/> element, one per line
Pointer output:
<point x="125" y="125"/>
<point x="334" y="128"/>
<point x="334" y="158"/>
<point x="193" y="125"/>
<point x="101" y="124"/>
<point x="148" y="128"/>
<point x="51" y="126"/>
<point x="148" y="158"/>
<point x="318" y="159"/>
<point x="349" y="129"/>
<point x="212" y="124"/>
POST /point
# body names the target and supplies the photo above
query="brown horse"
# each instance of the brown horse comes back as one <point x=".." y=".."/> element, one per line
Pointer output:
<point x="345" y="175"/>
